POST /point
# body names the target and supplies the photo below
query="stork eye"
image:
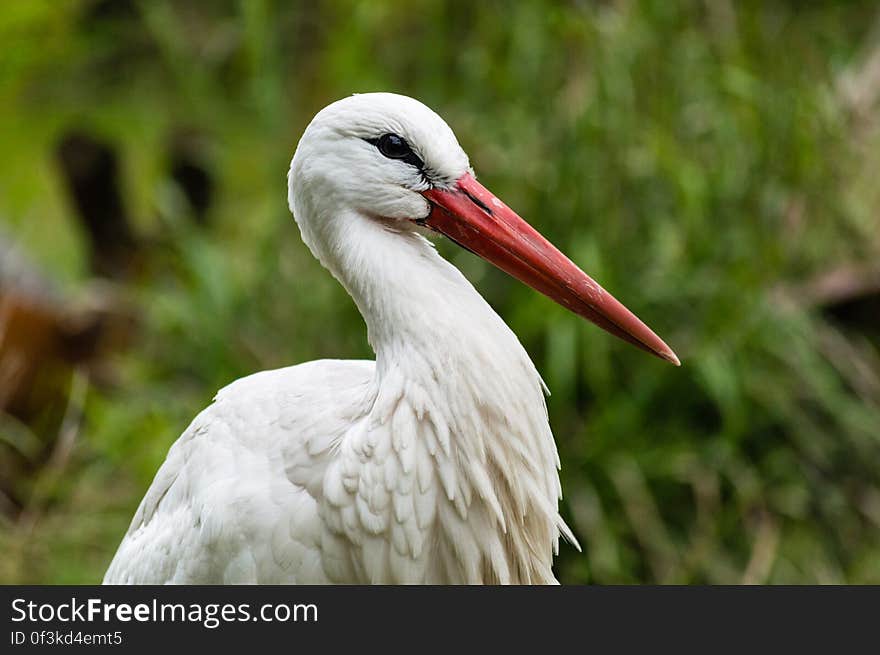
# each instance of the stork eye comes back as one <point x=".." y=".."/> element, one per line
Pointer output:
<point x="394" y="146"/>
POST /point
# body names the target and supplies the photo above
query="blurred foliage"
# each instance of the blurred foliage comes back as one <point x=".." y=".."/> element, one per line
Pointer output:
<point x="700" y="158"/>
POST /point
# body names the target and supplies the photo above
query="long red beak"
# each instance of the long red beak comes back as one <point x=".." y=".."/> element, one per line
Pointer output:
<point x="471" y="216"/>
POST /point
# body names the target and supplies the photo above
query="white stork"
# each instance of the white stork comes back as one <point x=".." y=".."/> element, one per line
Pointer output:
<point x="433" y="464"/>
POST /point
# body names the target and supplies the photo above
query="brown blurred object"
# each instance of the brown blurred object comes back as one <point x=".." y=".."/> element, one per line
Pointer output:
<point x="90" y="170"/>
<point x="45" y="342"/>
<point x="849" y="294"/>
<point x="52" y="347"/>
<point x="188" y="167"/>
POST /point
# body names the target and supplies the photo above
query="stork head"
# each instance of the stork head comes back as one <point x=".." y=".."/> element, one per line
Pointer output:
<point x="389" y="158"/>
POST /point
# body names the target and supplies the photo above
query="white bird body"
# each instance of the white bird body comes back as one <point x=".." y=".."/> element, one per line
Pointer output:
<point x="433" y="464"/>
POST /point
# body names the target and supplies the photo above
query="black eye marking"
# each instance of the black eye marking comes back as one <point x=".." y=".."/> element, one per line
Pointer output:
<point x="394" y="146"/>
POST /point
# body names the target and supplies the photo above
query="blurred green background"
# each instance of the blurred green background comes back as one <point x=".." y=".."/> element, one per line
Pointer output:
<point x="716" y="164"/>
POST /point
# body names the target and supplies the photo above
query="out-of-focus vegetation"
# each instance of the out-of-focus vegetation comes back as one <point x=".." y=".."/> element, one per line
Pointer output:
<point x="710" y="162"/>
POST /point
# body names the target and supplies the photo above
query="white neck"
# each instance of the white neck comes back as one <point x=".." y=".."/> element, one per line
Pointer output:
<point x="445" y="357"/>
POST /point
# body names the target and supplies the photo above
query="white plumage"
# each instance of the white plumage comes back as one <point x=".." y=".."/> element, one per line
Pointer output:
<point x="433" y="464"/>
